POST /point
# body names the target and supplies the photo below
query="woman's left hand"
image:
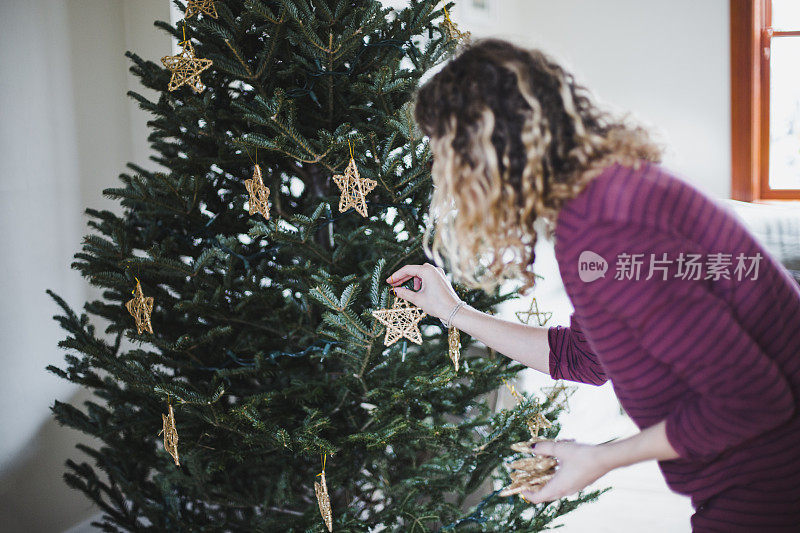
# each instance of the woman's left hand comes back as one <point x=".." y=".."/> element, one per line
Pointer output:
<point x="579" y="465"/>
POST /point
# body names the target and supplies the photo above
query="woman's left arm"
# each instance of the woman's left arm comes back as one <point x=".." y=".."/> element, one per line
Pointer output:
<point x="582" y="464"/>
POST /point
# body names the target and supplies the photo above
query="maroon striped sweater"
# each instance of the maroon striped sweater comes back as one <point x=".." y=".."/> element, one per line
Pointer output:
<point x="718" y="358"/>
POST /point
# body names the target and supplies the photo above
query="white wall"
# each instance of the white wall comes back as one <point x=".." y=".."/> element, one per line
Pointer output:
<point x="66" y="132"/>
<point x="667" y="62"/>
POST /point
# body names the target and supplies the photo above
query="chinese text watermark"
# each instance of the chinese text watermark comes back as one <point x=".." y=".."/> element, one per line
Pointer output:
<point x="687" y="266"/>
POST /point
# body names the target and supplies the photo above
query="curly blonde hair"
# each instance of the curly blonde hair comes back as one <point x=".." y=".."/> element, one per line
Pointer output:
<point x="513" y="138"/>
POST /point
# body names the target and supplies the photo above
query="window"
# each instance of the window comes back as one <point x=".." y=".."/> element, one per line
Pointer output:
<point x="765" y="99"/>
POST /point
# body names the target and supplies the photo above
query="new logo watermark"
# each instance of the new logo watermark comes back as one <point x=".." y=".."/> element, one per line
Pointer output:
<point x="716" y="266"/>
<point x="591" y="266"/>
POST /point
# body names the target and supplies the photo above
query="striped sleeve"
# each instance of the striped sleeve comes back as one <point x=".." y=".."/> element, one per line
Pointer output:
<point x="738" y="391"/>
<point x="571" y="358"/>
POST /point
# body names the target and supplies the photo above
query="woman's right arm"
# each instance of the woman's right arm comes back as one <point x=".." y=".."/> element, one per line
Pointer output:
<point x="523" y="343"/>
<point x="570" y="358"/>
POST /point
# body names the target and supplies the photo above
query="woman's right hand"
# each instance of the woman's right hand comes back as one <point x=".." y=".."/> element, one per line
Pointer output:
<point x="432" y="292"/>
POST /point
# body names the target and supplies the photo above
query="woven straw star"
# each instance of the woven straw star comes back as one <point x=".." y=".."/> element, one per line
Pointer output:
<point x="555" y="391"/>
<point x="401" y="321"/>
<point x="140" y="308"/>
<point x="194" y="7"/>
<point x="354" y="189"/>
<point x="324" y="501"/>
<point x="259" y="194"/>
<point x="170" y="434"/>
<point x="186" y="68"/>
<point x="534" y="311"/>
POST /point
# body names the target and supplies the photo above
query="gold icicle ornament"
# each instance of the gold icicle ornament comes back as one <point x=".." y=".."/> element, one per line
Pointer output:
<point x="353" y="188"/>
<point x="193" y="7"/>
<point x="451" y="29"/>
<point x="323" y="498"/>
<point x="537" y="422"/>
<point x="170" y="434"/>
<point x="454" y="345"/>
<point x="401" y="320"/>
<point x="259" y="194"/>
<point x="140" y="308"/>
<point x="534" y="311"/>
<point x="530" y="473"/>
<point x="186" y="68"/>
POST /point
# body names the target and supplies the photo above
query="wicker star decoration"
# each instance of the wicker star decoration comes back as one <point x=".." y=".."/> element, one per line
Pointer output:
<point x="324" y="500"/>
<point x="534" y="311"/>
<point x="186" y="68"/>
<point x="401" y="321"/>
<point x="259" y="194"/>
<point x="140" y="308"/>
<point x="170" y="434"/>
<point x="555" y="391"/>
<point x="353" y="188"/>
<point x="194" y="7"/>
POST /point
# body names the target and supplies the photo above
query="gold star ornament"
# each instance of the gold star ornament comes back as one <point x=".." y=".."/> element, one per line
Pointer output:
<point x="401" y="320"/>
<point x="541" y="316"/>
<point x="170" y="434"/>
<point x="193" y="7"/>
<point x="140" y="308"/>
<point x="186" y="68"/>
<point x="353" y="189"/>
<point x="324" y="500"/>
<point x="259" y="194"/>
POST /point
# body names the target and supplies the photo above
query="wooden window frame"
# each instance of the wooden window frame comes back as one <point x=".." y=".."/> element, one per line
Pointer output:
<point x="750" y="39"/>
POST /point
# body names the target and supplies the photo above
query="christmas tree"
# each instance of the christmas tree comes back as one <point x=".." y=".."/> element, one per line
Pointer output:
<point x="239" y="285"/>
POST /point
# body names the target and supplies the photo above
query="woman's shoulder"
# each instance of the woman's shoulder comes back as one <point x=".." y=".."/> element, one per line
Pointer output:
<point x="649" y="196"/>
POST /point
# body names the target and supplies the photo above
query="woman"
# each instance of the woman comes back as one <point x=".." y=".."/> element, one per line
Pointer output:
<point x="693" y="322"/>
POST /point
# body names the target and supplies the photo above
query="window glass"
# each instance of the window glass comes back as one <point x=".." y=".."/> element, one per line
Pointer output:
<point x="784" y="119"/>
<point x="786" y="14"/>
